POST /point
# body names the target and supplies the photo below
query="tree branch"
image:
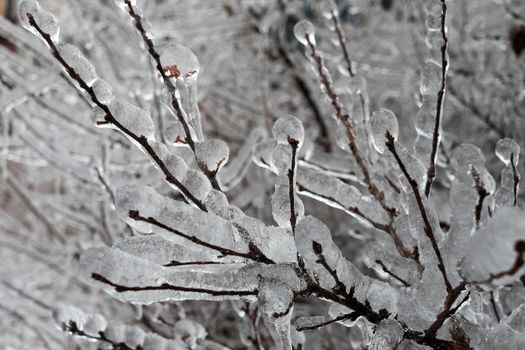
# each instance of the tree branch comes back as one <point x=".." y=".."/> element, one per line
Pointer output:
<point x="171" y="88"/>
<point x="109" y="118"/>
<point x="390" y="144"/>
<point x="253" y="254"/>
<point x="431" y="172"/>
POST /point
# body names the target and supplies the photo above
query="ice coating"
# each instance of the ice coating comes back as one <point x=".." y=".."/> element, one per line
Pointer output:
<point x="132" y="118"/>
<point x="212" y="154"/>
<point x="431" y="78"/>
<point x="103" y="91"/>
<point x="179" y="61"/>
<point x="287" y="129"/>
<point x="382" y="121"/>
<point x="304" y="29"/>
<point x="507" y="149"/>
<point x="76" y="60"/>
<point x="45" y="20"/>
<point x="494" y="248"/>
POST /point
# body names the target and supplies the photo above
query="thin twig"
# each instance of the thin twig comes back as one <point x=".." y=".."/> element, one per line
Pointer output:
<point x="253" y="254"/>
<point x="431" y="172"/>
<point x="342" y="41"/>
<point x="390" y="143"/>
<point x="294" y="144"/>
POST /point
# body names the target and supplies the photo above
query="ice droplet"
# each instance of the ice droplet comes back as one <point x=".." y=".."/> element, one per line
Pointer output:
<point x="179" y="61"/>
<point x="506" y="149"/>
<point x="304" y="30"/>
<point x="25" y="7"/>
<point x="382" y="121"/>
<point x="78" y="62"/>
<point x="197" y="183"/>
<point x="213" y="154"/>
<point x="465" y="155"/>
<point x="44" y="19"/>
<point x="431" y="78"/>
<point x="103" y="91"/>
<point x="133" y="118"/>
<point x="288" y="128"/>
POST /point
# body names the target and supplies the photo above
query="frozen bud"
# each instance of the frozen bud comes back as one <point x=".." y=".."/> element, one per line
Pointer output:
<point x="179" y="61"/>
<point x="508" y="150"/>
<point x="431" y="78"/>
<point x="304" y="31"/>
<point x="74" y="58"/>
<point x="44" y="19"/>
<point x="213" y="154"/>
<point x="288" y="129"/>
<point x="103" y="91"/>
<point x="381" y="122"/>
<point x="133" y="118"/>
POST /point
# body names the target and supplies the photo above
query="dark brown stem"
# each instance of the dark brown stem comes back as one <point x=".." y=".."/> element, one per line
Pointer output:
<point x="119" y="288"/>
<point x="391" y="274"/>
<point x="482" y="194"/>
<point x="519" y="248"/>
<point x="516" y="178"/>
<point x="342" y="41"/>
<point x="294" y="144"/>
<point x="340" y="289"/>
<point x="109" y="117"/>
<point x="253" y="254"/>
<point x="390" y="143"/>
<point x="326" y="323"/>
<point x="431" y="172"/>
<point x="447" y="311"/>
<point x="72" y="328"/>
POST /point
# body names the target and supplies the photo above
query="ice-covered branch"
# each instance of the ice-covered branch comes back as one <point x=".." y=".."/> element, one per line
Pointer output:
<point x="167" y="72"/>
<point x="76" y="73"/>
<point x="390" y="144"/>
<point x="304" y="32"/>
<point x="431" y="172"/>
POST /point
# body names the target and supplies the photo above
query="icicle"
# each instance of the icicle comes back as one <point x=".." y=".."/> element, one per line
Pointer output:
<point x="304" y="29"/>
<point x="383" y="121"/>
